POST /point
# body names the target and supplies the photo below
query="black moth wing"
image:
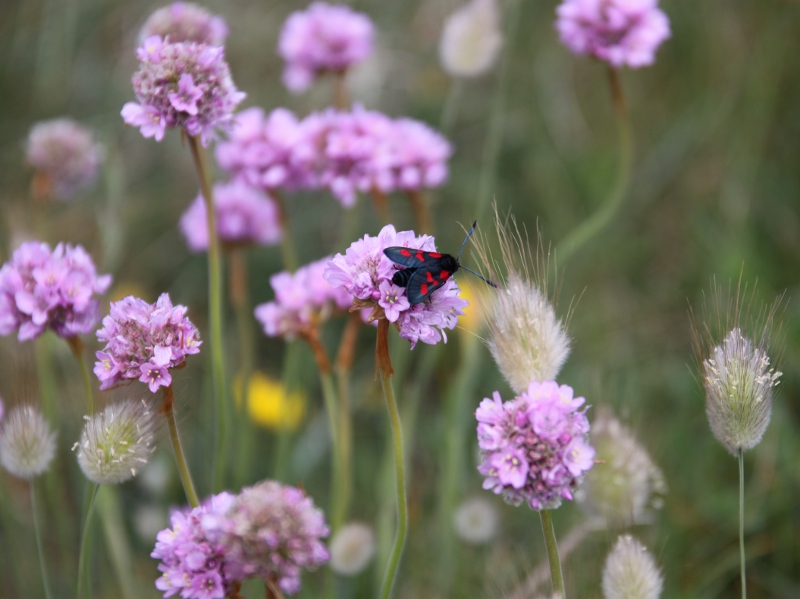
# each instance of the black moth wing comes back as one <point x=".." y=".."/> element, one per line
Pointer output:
<point x="409" y="257"/>
<point x="427" y="279"/>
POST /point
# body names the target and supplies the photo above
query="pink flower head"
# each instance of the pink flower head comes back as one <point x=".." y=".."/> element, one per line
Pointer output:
<point x="619" y="32"/>
<point x="65" y="155"/>
<point x="534" y="448"/>
<point x="271" y="531"/>
<point x="244" y="215"/>
<point x="366" y="273"/>
<point x="144" y="341"/>
<point x="183" y="85"/>
<point x="185" y="22"/>
<point x="42" y="289"/>
<point x="302" y="299"/>
<point x="323" y="38"/>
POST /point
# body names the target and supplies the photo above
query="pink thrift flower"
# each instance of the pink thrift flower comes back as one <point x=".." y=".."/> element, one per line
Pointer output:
<point x="42" y="289"/>
<point x="65" y="155"/>
<point x="619" y="32"/>
<point x="302" y="299"/>
<point x="364" y="271"/>
<point x="244" y="215"/>
<point x="185" y="22"/>
<point x="144" y="341"/>
<point x="183" y="85"/>
<point x="534" y="448"/>
<point x="323" y="38"/>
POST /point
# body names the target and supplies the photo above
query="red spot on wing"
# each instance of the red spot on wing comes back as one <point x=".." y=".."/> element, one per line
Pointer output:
<point x="444" y="275"/>
<point x="430" y="277"/>
<point x="420" y="256"/>
<point x="435" y="255"/>
<point x="405" y="252"/>
<point x="423" y="289"/>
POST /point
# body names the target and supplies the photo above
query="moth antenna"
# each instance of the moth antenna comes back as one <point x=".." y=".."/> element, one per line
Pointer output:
<point x="484" y="279"/>
<point x="466" y="239"/>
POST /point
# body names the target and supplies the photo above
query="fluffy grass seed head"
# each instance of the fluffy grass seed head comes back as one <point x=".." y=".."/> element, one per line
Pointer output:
<point x="627" y="486"/>
<point x="737" y="373"/>
<point x="117" y="442"/>
<point x="476" y="521"/>
<point x="526" y="338"/>
<point x="27" y="444"/>
<point x="471" y="39"/>
<point x="631" y="572"/>
<point x="352" y="548"/>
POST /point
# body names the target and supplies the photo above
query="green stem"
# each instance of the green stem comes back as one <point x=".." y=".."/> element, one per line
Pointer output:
<point x="37" y="531"/>
<point x="76" y="345"/>
<point x="552" y="553"/>
<point x="339" y="505"/>
<point x="345" y="440"/>
<point x="214" y="312"/>
<point x="84" y="550"/>
<point x="44" y="373"/>
<point x="741" y="523"/>
<point x="180" y="459"/>
<point x="451" y="105"/>
<point x="602" y="217"/>
<point x="400" y="487"/>
<point x="117" y="540"/>
<point x="288" y="253"/>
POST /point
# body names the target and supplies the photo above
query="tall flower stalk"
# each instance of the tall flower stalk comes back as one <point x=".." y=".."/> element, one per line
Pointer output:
<point x="167" y="408"/>
<point x="552" y="553"/>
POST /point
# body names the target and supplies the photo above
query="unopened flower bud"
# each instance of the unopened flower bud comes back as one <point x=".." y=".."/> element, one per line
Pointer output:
<point x="631" y="572"/>
<point x="117" y="442"/>
<point x="27" y="445"/>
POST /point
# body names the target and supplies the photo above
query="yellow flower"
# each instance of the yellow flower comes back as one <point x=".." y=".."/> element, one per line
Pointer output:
<point x="269" y="405"/>
<point x="473" y="317"/>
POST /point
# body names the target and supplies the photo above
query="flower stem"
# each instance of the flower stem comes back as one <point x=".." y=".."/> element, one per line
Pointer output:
<point x="341" y="99"/>
<point x="37" y="531"/>
<point x="338" y="506"/>
<point x="602" y="217"/>
<point x="451" y="105"/>
<point x="288" y="253"/>
<point x="214" y="311"/>
<point x="741" y="523"/>
<point x="84" y="550"/>
<point x="552" y="553"/>
<point x="186" y="478"/>
<point x="76" y="345"/>
<point x="422" y="215"/>
<point x="400" y="476"/>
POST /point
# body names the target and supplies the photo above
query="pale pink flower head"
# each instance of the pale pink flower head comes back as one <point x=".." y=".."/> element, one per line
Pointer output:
<point x="619" y="32"/>
<point x="244" y="215"/>
<point x="185" y="22"/>
<point x="366" y="273"/>
<point x="144" y="341"/>
<point x="303" y="299"/>
<point x="65" y="155"/>
<point x="44" y="289"/>
<point x="323" y="38"/>
<point x="183" y="85"/>
<point x="534" y="448"/>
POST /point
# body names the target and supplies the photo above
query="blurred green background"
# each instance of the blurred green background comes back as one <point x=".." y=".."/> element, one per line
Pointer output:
<point x="715" y="192"/>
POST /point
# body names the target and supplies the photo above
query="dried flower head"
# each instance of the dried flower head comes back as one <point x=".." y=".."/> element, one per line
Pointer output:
<point x="476" y="521"/>
<point x="44" y="289"/>
<point x="185" y="22"/>
<point x="526" y="338"/>
<point x="324" y="38"/>
<point x="183" y="85"/>
<point x="117" y="442"/>
<point x="65" y="155"/>
<point x="619" y="32"/>
<point x="245" y="215"/>
<point x="627" y="485"/>
<point x="534" y="448"/>
<point x="27" y="445"/>
<point x="471" y="39"/>
<point x="737" y="372"/>
<point x="352" y="548"/>
<point x="144" y="341"/>
<point x="631" y="572"/>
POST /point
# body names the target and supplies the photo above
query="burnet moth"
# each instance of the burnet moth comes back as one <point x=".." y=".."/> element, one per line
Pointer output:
<point x="425" y="272"/>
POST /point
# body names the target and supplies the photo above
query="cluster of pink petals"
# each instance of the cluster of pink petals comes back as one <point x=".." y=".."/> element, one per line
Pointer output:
<point x="345" y="152"/>
<point x="619" y="32"/>
<point x="42" y="288"/>
<point x="302" y="299"/>
<point x="185" y="22"/>
<point x="66" y="153"/>
<point x="244" y="215"/>
<point x="366" y="273"/>
<point x="269" y="531"/>
<point x="143" y="341"/>
<point x="534" y="448"/>
<point x="183" y="85"/>
<point x="323" y="38"/>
